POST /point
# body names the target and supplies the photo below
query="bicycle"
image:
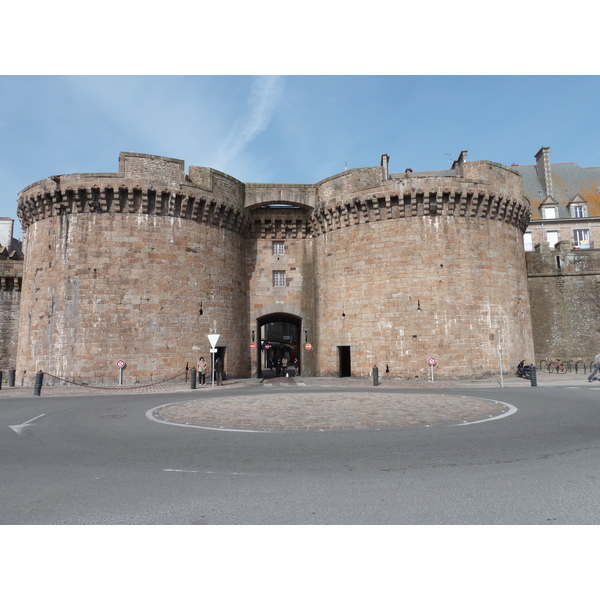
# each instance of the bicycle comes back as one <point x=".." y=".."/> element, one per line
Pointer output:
<point x="555" y="366"/>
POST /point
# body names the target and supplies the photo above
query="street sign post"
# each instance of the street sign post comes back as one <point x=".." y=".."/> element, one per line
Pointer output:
<point x="431" y="361"/>
<point x="121" y="365"/>
<point x="213" y="338"/>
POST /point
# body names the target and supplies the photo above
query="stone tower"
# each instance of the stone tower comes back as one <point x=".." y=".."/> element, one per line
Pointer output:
<point x="138" y="265"/>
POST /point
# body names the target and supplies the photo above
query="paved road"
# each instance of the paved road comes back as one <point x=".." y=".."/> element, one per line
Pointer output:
<point x="111" y="459"/>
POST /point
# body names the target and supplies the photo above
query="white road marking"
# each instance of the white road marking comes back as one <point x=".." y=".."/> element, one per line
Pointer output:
<point x="180" y="471"/>
<point x="205" y="472"/>
<point x="20" y="428"/>
<point x="511" y="411"/>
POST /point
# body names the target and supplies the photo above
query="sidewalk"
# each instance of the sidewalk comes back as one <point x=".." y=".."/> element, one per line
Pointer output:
<point x="543" y="380"/>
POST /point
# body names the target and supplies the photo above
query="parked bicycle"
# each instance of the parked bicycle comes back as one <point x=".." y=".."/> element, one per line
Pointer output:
<point x="555" y="366"/>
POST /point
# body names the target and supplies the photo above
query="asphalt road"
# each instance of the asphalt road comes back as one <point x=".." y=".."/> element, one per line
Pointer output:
<point x="101" y="460"/>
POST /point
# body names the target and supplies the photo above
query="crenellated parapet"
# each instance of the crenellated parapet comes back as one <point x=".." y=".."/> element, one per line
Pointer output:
<point x="497" y="198"/>
<point x="145" y="184"/>
<point x="279" y="224"/>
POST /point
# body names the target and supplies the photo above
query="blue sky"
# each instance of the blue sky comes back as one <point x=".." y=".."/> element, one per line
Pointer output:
<point x="195" y="81"/>
<point x="289" y="129"/>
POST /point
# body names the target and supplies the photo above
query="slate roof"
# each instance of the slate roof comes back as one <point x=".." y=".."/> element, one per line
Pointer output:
<point x="568" y="180"/>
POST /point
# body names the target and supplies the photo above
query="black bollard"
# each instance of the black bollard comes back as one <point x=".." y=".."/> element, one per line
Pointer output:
<point x="39" y="380"/>
<point x="375" y="376"/>
<point x="11" y="377"/>
<point x="533" y="376"/>
<point x="193" y="378"/>
<point x="0" y="380"/>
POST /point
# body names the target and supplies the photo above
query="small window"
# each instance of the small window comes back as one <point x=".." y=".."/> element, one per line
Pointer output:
<point x="278" y="248"/>
<point x="578" y="211"/>
<point x="581" y="238"/>
<point x="549" y="212"/>
<point x="278" y="278"/>
<point x="528" y="241"/>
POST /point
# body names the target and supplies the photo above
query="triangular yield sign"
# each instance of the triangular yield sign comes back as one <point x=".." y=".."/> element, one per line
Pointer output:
<point x="212" y="338"/>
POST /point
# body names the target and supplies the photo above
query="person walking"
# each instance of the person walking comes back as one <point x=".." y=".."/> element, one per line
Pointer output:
<point x="284" y="362"/>
<point x="201" y="368"/>
<point x="219" y="370"/>
<point x="596" y="368"/>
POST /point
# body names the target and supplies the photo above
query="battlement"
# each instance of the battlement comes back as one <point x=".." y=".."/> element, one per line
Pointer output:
<point x="145" y="184"/>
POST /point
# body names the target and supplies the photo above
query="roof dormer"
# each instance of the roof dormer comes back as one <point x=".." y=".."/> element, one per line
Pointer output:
<point x="549" y="208"/>
<point x="578" y="207"/>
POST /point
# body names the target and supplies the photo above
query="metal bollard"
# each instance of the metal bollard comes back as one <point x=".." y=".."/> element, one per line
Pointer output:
<point x="375" y="376"/>
<point x="532" y="375"/>
<point x="39" y="380"/>
<point x="0" y="380"/>
<point x="11" y="377"/>
<point x="193" y="378"/>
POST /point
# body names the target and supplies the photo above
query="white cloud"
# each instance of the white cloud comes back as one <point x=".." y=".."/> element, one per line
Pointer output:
<point x="262" y="102"/>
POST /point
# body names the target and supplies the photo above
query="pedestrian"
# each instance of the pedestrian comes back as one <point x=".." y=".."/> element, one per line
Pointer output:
<point x="596" y="368"/>
<point x="296" y="366"/>
<point x="201" y="368"/>
<point x="278" y="367"/>
<point x="284" y="366"/>
<point x="219" y="370"/>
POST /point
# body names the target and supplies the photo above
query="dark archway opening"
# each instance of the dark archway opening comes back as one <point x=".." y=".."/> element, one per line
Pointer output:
<point x="278" y="338"/>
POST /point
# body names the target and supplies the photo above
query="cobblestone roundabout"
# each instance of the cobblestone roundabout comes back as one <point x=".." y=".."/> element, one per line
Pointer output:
<point x="328" y="411"/>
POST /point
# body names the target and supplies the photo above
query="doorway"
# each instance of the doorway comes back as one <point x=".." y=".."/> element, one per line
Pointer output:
<point x="345" y="365"/>
<point x="279" y="337"/>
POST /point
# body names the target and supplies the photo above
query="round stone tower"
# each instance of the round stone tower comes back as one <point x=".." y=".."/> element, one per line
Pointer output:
<point x="415" y="265"/>
<point x="138" y="265"/>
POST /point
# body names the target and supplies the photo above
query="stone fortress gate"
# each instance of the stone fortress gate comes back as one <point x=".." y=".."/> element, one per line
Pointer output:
<point x="364" y="268"/>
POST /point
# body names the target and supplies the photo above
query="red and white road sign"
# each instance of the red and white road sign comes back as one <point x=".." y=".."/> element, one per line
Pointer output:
<point x="431" y="361"/>
<point x="252" y="346"/>
<point x="121" y="364"/>
<point x="308" y="346"/>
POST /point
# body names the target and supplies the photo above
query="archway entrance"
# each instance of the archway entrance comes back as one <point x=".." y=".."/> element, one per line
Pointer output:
<point x="278" y="337"/>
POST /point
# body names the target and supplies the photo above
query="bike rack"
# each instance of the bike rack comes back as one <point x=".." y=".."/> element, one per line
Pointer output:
<point x="577" y="363"/>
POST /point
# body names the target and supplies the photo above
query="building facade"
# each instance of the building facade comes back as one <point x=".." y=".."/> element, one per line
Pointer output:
<point x="362" y="269"/>
<point x="562" y="243"/>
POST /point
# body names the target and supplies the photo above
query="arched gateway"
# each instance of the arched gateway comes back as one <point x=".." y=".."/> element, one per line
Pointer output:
<point x="280" y="335"/>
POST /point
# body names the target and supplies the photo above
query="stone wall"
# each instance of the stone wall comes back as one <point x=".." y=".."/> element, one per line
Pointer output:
<point x="11" y="274"/>
<point x="296" y="299"/>
<point x="564" y="287"/>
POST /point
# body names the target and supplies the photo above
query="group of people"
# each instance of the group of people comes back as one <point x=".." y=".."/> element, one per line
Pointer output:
<point x="202" y="369"/>
<point x="281" y="366"/>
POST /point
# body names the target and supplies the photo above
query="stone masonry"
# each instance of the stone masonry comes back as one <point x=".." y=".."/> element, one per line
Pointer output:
<point x="383" y="269"/>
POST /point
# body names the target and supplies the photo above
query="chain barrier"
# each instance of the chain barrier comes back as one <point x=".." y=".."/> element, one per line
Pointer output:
<point x="120" y="387"/>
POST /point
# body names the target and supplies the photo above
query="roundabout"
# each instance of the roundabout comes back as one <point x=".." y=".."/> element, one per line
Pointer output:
<point x="329" y="411"/>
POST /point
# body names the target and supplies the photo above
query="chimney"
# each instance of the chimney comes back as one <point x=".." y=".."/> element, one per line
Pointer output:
<point x="459" y="162"/>
<point x="542" y="159"/>
<point x="385" y="160"/>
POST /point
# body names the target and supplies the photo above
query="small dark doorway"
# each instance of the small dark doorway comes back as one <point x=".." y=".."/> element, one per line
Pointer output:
<point x="344" y="361"/>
